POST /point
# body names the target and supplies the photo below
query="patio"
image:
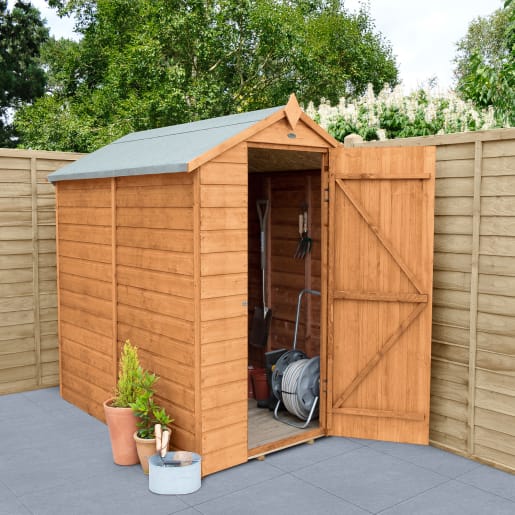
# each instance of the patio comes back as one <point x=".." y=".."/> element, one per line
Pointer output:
<point x="55" y="459"/>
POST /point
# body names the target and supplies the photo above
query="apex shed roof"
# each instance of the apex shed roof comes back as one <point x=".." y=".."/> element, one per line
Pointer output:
<point x="164" y="150"/>
<point x="178" y="148"/>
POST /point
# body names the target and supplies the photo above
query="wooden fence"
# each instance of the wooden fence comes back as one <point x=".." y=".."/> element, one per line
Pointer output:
<point x="473" y="352"/>
<point x="28" y="303"/>
<point x="473" y="341"/>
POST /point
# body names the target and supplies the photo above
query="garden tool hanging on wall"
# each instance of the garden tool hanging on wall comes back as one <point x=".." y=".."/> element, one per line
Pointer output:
<point x="262" y="315"/>
<point x="305" y="242"/>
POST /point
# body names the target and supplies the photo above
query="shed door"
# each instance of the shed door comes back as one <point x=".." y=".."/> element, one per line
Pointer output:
<point x="381" y="203"/>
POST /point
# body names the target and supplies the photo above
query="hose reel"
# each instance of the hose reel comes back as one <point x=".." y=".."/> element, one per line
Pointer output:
<point x="296" y="380"/>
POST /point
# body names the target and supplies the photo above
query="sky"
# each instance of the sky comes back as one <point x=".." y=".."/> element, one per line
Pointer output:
<point x="423" y="33"/>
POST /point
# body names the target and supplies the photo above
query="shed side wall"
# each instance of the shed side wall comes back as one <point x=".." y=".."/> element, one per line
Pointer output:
<point x="28" y="294"/>
<point x="154" y="274"/>
<point x="473" y="339"/>
<point x="84" y="216"/>
<point x="223" y="311"/>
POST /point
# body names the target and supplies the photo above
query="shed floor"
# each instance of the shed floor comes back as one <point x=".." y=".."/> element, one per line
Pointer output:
<point x="264" y="429"/>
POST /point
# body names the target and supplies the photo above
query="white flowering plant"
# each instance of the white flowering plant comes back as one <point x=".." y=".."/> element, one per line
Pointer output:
<point x="391" y="114"/>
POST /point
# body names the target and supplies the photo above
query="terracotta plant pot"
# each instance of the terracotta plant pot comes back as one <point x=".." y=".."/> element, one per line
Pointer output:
<point x="146" y="447"/>
<point x="121" y="423"/>
<point x="261" y="390"/>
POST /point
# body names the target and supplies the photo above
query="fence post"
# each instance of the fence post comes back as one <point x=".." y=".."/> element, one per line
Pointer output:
<point x="352" y="140"/>
<point x="474" y="290"/>
<point x="35" y="269"/>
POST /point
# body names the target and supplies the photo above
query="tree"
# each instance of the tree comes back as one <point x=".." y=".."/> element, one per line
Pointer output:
<point x="149" y="63"/>
<point x="21" y="77"/>
<point x="485" y="63"/>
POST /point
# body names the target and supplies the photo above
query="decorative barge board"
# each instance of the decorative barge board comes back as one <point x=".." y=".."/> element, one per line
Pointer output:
<point x="154" y="240"/>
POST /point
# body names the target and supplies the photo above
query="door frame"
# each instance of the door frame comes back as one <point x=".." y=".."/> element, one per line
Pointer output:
<point x="309" y="435"/>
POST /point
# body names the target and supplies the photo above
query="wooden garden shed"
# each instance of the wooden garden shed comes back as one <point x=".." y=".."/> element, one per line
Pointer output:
<point x="158" y="242"/>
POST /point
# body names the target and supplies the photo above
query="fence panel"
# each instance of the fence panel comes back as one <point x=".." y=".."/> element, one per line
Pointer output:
<point x="28" y="293"/>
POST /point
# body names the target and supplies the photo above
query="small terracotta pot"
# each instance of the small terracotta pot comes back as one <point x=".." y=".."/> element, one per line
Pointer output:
<point x="261" y="389"/>
<point x="121" y="423"/>
<point x="145" y="447"/>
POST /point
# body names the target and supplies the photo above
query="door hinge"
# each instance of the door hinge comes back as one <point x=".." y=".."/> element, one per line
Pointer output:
<point x="326" y="194"/>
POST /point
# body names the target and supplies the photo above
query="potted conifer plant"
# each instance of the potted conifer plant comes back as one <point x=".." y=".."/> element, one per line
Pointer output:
<point x="148" y="414"/>
<point x="120" y="418"/>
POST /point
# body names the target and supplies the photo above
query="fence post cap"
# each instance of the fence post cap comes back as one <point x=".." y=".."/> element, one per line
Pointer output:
<point x="352" y="140"/>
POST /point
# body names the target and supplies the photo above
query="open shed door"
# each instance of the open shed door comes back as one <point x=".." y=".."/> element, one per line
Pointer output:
<point x="381" y="210"/>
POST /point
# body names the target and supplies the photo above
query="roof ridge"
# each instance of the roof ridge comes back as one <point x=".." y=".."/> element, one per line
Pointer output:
<point x="245" y="117"/>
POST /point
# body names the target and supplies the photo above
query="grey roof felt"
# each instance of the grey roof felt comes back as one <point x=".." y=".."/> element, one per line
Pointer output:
<point x="164" y="150"/>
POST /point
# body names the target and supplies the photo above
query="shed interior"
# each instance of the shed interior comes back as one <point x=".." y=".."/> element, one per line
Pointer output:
<point x="291" y="182"/>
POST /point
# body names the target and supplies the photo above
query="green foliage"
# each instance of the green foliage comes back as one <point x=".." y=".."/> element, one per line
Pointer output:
<point x="21" y="77"/>
<point x="150" y="63"/>
<point x="485" y="63"/>
<point x="135" y="389"/>
<point x="130" y="377"/>
<point x="148" y="412"/>
<point x="391" y="114"/>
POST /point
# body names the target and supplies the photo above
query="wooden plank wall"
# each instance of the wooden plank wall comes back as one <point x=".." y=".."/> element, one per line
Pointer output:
<point x="473" y="350"/>
<point x="287" y="192"/>
<point x="28" y="296"/>
<point x="155" y="294"/>
<point x="289" y="275"/>
<point x="86" y="299"/>
<point x="222" y="199"/>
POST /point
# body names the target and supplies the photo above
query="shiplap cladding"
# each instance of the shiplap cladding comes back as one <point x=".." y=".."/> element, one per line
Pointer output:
<point x="473" y="338"/>
<point x="28" y="294"/>
<point x="222" y="200"/>
<point x="126" y="272"/>
<point x="154" y="287"/>
<point x="86" y="317"/>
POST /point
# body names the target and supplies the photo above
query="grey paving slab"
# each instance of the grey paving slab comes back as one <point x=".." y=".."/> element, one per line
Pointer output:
<point x="9" y="503"/>
<point x="48" y="397"/>
<point x="370" y="479"/>
<point x="57" y="411"/>
<point x="56" y="459"/>
<point x="11" y="506"/>
<point x="454" y="498"/>
<point x="38" y="418"/>
<point x="51" y="435"/>
<point x="39" y="467"/>
<point x="19" y="408"/>
<point x="284" y="495"/>
<point x="301" y="456"/>
<point x="188" y="511"/>
<point x="231" y="480"/>
<point x="124" y="492"/>
<point x="428" y="457"/>
<point x="492" y="480"/>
